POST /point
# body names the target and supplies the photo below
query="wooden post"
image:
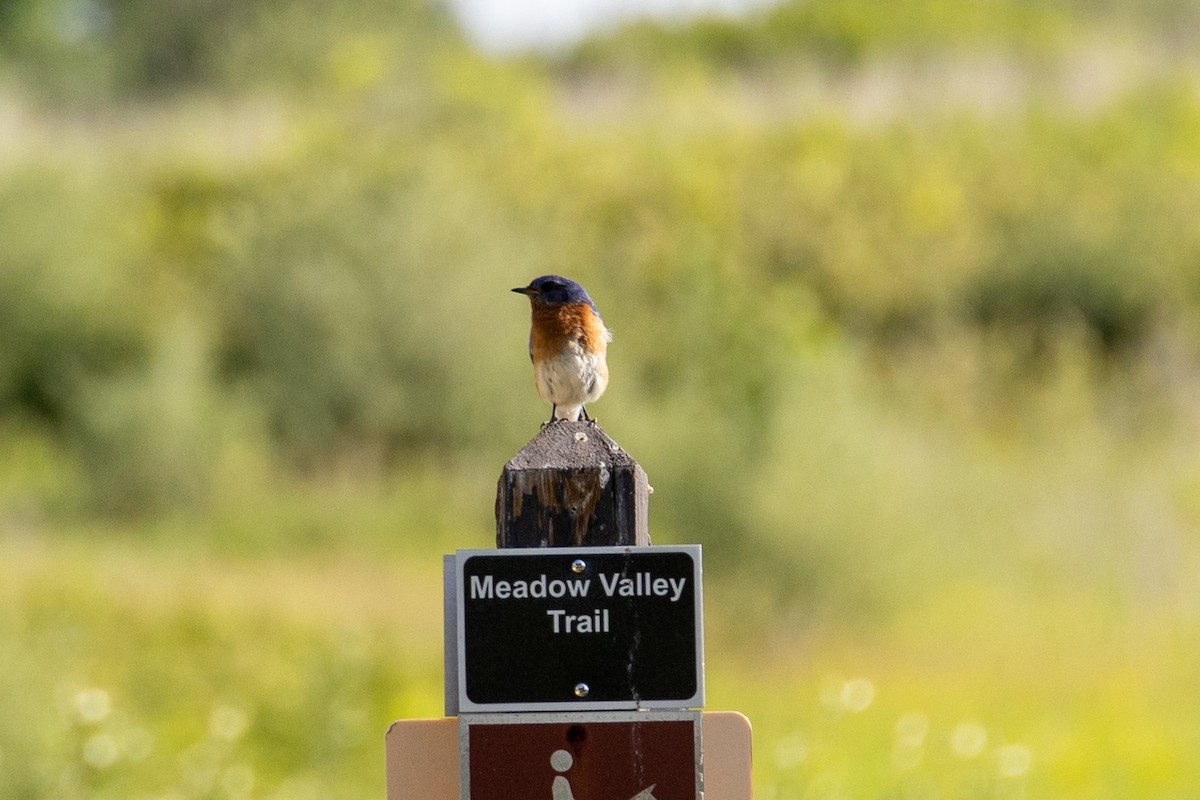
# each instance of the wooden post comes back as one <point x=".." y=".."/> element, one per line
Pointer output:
<point x="572" y="486"/>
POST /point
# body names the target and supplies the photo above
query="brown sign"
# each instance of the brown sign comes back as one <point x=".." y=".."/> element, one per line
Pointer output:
<point x="613" y="756"/>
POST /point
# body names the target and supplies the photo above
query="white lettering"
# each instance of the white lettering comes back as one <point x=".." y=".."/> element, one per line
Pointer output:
<point x="481" y="587"/>
<point x="488" y="587"/>
<point x="562" y="622"/>
<point x="642" y="584"/>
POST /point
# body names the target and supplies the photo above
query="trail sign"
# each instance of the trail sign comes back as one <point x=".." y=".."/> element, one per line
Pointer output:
<point x="648" y="755"/>
<point x="564" y="628"/>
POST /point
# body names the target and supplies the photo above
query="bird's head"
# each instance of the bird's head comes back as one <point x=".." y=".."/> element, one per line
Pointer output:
<point x="554" y="290"/>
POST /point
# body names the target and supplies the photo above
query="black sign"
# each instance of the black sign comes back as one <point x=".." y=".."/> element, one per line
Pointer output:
<point x="605" y="627"/>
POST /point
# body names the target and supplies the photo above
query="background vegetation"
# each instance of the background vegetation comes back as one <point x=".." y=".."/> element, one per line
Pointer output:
<point x="907" y="316"/>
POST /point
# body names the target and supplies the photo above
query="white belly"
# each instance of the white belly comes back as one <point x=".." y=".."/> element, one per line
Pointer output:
<point x="570" y="380"/>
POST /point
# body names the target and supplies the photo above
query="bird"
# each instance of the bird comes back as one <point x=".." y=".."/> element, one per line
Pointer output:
<point x="568" y="345"/>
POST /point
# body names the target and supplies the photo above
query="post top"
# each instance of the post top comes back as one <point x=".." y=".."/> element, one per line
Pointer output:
<point x="570" y="444"/>
<point x="572" y="486"/>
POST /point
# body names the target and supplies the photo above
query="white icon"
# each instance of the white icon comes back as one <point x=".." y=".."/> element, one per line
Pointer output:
<point x="561" y="761"/>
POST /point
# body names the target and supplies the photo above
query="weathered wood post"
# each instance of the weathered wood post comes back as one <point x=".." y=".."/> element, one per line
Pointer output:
<point x="572" y="486"/>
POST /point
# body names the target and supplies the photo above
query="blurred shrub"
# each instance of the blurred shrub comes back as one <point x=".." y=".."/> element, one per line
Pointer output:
<point x="88" y="52"/>
<point x="319" y="264"/>
<point x="68" y="312"/>
<point x="839" y="32"/>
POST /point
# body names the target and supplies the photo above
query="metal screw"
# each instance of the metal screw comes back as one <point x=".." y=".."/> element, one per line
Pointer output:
<point x="577" y="566"/>
<point x="581" y="690"/>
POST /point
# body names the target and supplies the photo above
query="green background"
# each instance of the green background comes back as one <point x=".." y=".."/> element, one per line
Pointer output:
<point x="906" y="304"/>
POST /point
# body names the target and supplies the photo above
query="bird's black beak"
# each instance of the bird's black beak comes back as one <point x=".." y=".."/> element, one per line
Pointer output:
<point x="526" y="290"/>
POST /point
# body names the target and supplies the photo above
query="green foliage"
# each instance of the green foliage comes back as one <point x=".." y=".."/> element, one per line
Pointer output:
<point x="59" y="290"/>
<point x="841" y="33"/>
<point x="90" y="52"/>
<point x="907" y="315"/>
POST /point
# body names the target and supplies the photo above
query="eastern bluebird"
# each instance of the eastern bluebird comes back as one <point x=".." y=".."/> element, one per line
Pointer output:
<point x="567" y="344"/>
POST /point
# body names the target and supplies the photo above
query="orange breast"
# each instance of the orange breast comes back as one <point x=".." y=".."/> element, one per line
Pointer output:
<point x="554" y="328"/>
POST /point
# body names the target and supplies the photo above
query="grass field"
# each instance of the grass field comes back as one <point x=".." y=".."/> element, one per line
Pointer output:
<point x="188" y="658"/>
<point x="175" y="673"/>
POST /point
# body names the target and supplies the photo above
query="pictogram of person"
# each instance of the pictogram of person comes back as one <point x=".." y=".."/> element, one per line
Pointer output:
<point x="561" y="760"/>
